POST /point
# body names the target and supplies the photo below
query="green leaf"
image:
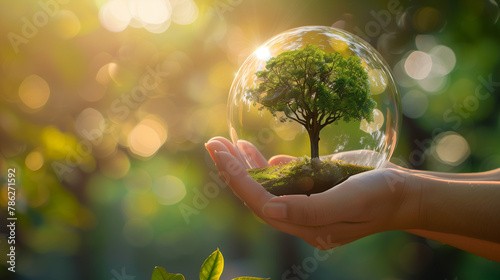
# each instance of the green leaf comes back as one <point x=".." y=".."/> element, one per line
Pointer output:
<point x="250" y="278"/>
<point x="159" y="273"/>
<point x="212" y="267"/>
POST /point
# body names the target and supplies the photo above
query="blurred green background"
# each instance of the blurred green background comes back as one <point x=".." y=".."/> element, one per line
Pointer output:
<point x="105" y="106"/>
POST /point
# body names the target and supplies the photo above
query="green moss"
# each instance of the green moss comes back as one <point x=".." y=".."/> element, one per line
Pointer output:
<point x="305" y="176"/>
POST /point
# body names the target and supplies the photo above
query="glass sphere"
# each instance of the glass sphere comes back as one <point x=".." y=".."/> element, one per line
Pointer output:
<point x="356" y="141"/>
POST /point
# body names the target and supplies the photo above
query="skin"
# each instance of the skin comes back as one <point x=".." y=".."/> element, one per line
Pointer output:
<point x="457" y="209"/>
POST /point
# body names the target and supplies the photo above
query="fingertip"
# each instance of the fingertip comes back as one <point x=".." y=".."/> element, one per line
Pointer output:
<point x="217" y="138"/>
<point x="214" y="146"/>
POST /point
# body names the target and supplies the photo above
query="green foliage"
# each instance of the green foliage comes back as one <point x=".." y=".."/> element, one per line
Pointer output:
<point x="315" y="89"/>
<point x="212" y="267"/>
<point x="210" y="270"/>
<point x="159" y="273"/>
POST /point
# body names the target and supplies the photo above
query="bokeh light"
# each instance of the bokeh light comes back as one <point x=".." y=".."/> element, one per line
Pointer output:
<point x="90" y="124"/>
<point x="418" y="65"/>
<point x="147" y="137"/>
<point x="184" y="11"/>
<point x="443" y="60"/>
<point x="34" y="91"/>
<point x="34" y="160"/>
<point x="452" y="148"/>
<point x="68" y="24"/>
<point x="153" y="15"/>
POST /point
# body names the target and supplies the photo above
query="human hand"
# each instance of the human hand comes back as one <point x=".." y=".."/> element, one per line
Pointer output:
<point x="364" y="204"/>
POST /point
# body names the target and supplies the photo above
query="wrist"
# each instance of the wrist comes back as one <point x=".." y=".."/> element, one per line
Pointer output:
<point x="410" y="188"/>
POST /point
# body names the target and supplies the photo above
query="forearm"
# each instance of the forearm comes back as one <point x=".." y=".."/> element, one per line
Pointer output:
<point x="469" y="209"/>
<point x="492" y="175"/>
<point x="485" y="249"/>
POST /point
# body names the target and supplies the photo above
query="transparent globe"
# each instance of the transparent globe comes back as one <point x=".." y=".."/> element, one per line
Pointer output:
<point x="356" y="141"/>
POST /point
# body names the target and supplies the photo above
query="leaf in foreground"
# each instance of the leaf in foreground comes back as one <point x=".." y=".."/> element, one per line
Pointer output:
<point x="212" y="267"/>
<point x="159" y="273"/>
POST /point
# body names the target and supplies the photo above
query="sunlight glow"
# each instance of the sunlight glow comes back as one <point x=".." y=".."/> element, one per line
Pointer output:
<point x="184" y="11"/>
<point x="115" y="15"/>
<point x="263" y="53"/>
<point x="151" y="11"/>
<point x="152" y="15"/>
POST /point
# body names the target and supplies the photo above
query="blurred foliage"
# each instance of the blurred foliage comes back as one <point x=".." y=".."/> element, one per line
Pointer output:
<point x="106" y="130"/>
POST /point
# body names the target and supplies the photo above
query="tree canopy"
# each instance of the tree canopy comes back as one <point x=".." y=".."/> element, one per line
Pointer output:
<point x="315" y="89"/>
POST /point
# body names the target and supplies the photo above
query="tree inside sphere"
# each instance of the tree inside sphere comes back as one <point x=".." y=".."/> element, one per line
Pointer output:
<point x="321" y="95"/>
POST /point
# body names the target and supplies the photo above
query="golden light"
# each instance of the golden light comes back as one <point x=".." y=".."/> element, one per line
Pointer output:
<point x="34" y="161"/>
<point x="106" y="73"/>
<point x="452" y="148"/>
<point x="340" y="46"/>
<point x="34" y="91"/>
<point x="263" y="53"/>
<point x="115" y="15"/>
<point x="147" y="137"/>
<point x="221" y="75"/>
<point x="378" y="81"/>
<point x="151" y="11"/>
<point x="184" y="11"/>
<point x="375" y="125"/>
<point x="67" y="24"/>
<point x="153" y="15"/>
<point x="169" y="190"/>
<point x="418" y="65"/>
<point x="158" y="28"/>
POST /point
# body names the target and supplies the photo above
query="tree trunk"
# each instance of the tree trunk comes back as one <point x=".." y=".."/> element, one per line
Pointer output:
<point x="314" y="139"/>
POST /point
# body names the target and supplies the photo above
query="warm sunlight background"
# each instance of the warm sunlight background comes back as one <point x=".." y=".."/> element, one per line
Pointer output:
<point x="105" y="106"/>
